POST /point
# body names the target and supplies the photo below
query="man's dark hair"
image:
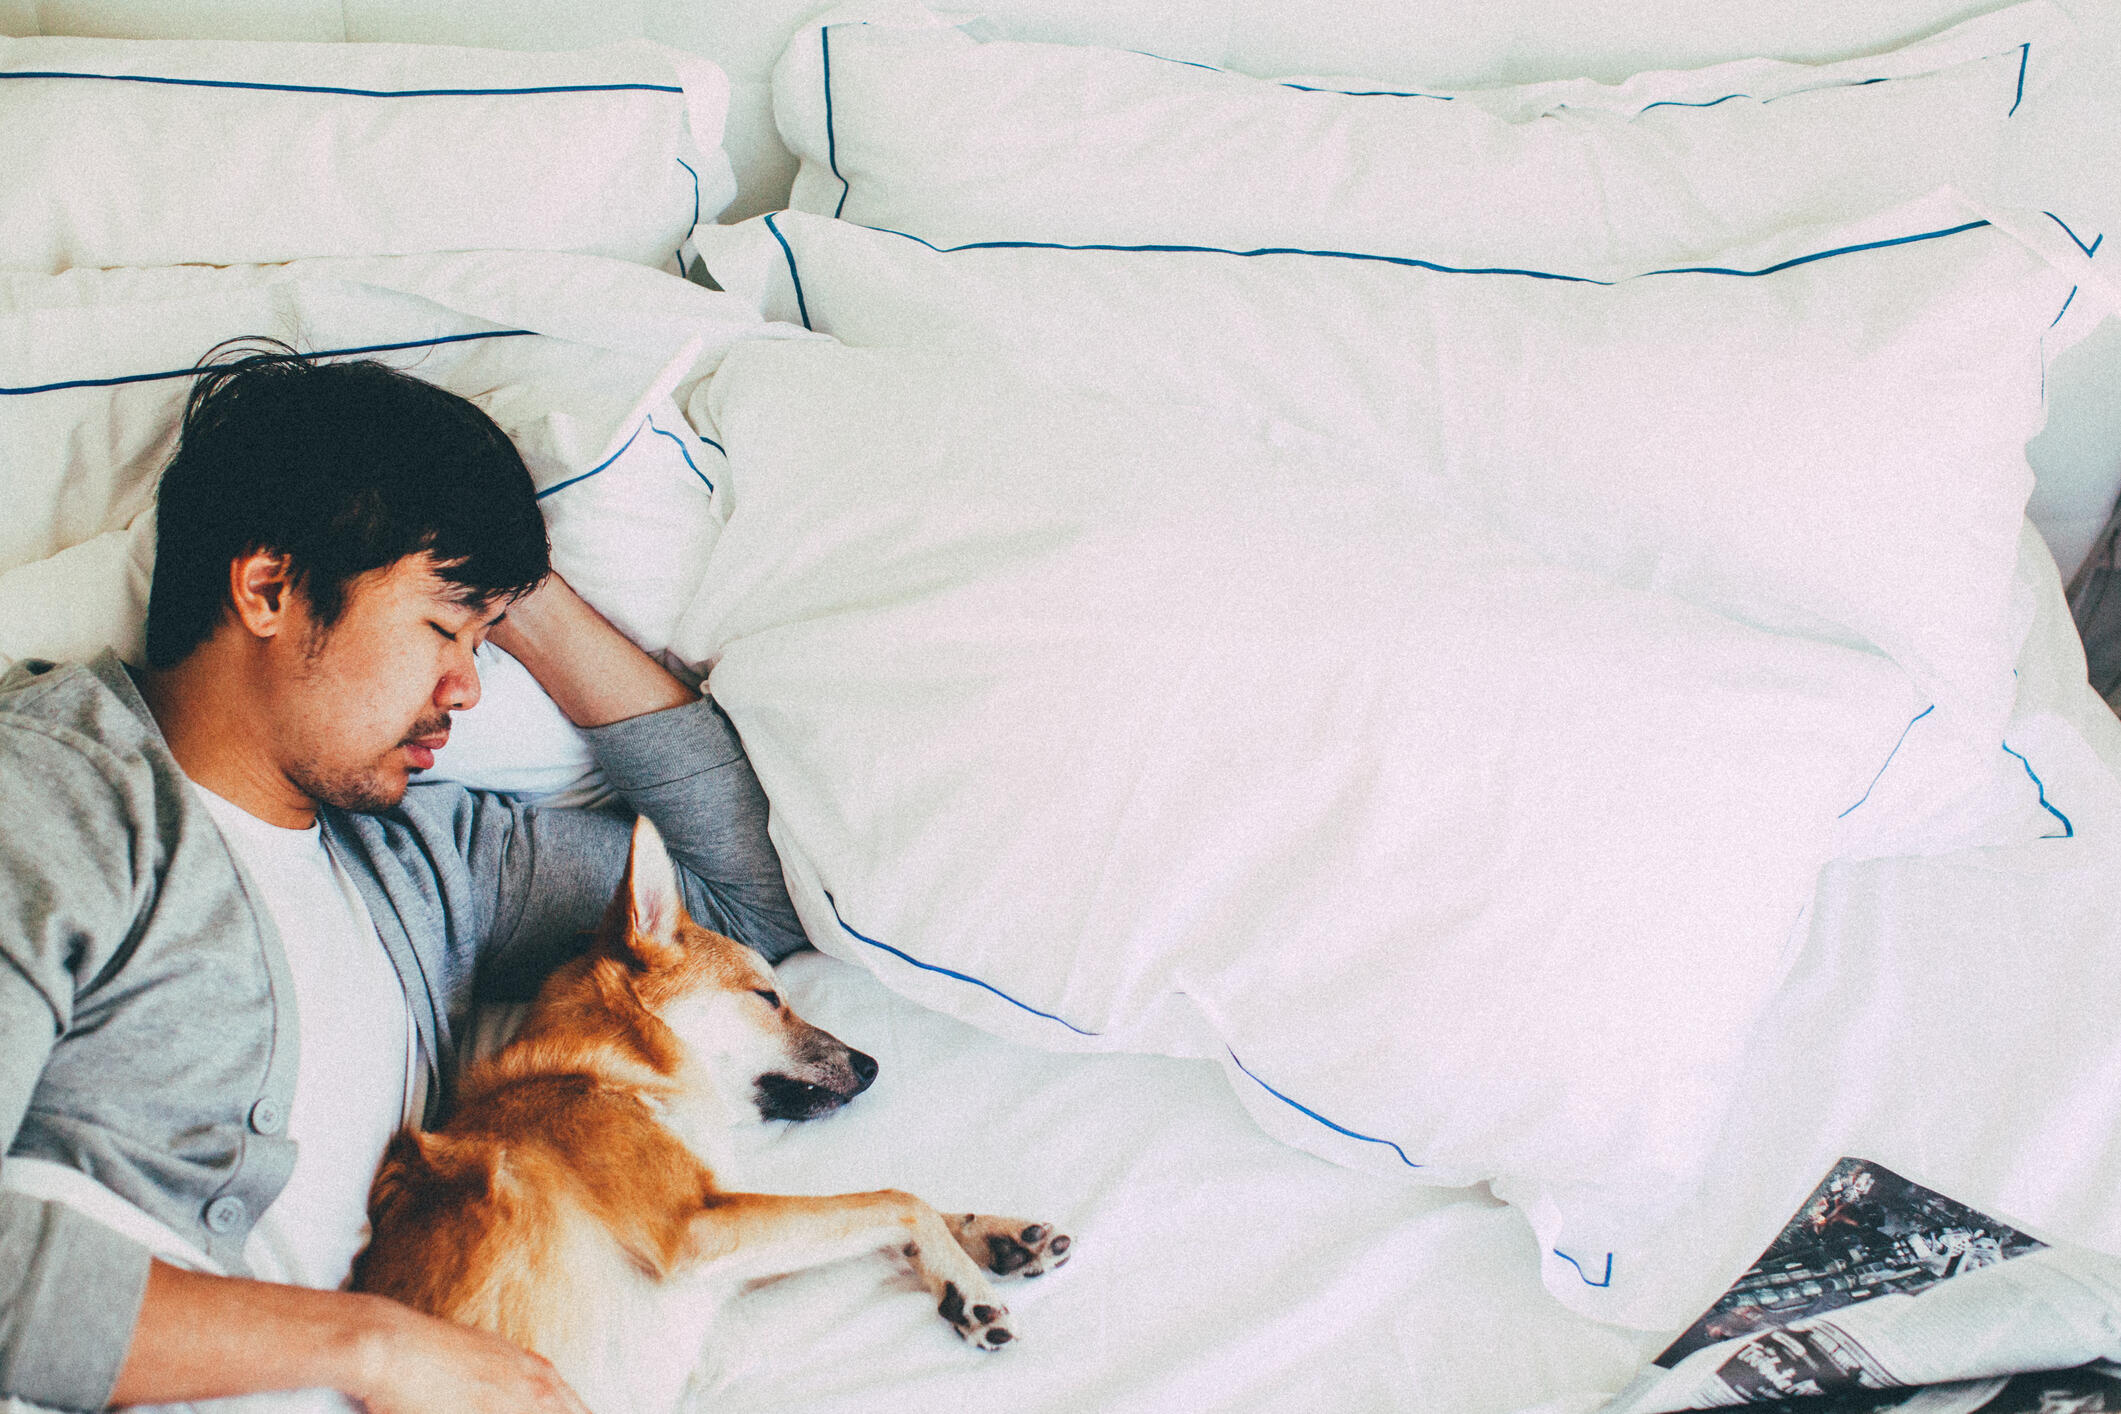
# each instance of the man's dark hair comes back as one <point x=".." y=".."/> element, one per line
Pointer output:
<point x="344" y="467"/>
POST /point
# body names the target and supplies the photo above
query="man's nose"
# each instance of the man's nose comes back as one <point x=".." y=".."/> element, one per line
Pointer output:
<point x="459" y="689"/>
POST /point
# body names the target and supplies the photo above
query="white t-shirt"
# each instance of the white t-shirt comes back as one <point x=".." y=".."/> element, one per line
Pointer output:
<point x="356" y="1073"/>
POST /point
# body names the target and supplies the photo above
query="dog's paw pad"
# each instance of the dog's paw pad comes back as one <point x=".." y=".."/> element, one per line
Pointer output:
<point x="981" y="1325"/>
<point x="1012" y="1246"/>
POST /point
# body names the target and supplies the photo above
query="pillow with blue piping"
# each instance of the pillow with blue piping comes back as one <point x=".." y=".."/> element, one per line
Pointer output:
<point x="162" y="152"/>
<point x="903" y="122"/>
<point x="1823" y="434"/>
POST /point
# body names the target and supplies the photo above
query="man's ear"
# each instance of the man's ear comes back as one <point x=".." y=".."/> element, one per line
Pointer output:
<point x="261" y="588"/>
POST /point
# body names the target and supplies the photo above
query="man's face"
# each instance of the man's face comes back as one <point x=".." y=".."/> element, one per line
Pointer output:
<point x="359" y="708"/>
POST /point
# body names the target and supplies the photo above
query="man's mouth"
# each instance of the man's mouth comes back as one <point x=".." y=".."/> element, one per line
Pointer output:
<point x="420" y="750"/>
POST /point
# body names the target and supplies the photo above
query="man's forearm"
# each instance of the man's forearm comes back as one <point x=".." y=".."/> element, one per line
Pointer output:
<point x="596" y="674"/>
<point x="209" y="1337"/>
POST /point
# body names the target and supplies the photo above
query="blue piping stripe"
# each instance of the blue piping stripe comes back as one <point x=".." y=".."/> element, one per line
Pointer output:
<point x="944" y="971"/>
<point x="1888" y="760"/>
<point x="1606" y="1281"/>
<point x="1305" y="87"/>
<point x="1399" y="259"/>
<point x="349" y="92"/>
<point x="2089" y="250"/>
<point x="1167" y="59"/>
<point x="832" y="146"/>
<point x="2024" y="54"/>
<point x="2069" y="831"/>
<point x="1314" y="1114"/>
<point x="1824" y="254"/>
<point x="1372" y="92"/>
<point x="695" y="189"/>
<point x="683" y="453"/>
<point x="2062" y="311"/>
<point x="801" y="305"/>
<point x="320" y="353"/>
<point x="570" y="481"/>
<point x="1219" y="250"/>
<point x="1773" y="98"/>
<point x="679" y="254"/>
<point x="1684" y="103"/>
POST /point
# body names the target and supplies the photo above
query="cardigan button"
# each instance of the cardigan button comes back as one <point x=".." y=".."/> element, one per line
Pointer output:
<point x="266" y="1117"/>
<point x="225" y="1214"/>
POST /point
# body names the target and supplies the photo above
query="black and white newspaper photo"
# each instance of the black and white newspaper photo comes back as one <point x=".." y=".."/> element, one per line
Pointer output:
<point x="1880" y="1294"/>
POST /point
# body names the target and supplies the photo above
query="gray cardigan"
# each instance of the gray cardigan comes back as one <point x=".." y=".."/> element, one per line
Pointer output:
<point x="147" y="1036"/>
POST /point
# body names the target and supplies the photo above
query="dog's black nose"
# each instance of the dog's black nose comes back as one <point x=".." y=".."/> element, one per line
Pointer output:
<point x="864" y="1069"/>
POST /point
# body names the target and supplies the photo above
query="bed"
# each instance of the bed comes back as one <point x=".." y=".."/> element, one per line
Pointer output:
<point x="1409" y="701"/>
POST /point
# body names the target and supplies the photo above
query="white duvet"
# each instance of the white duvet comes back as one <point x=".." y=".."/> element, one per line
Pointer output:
<point x="1079" y="723"/>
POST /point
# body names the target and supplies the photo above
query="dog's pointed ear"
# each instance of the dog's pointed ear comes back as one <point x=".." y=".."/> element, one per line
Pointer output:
<point x="653" y="905"/>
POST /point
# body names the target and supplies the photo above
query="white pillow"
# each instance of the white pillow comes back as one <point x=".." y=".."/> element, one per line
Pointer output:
<point x="86" y="598"/>
<point x="910" y="125"/>
<point x="581" y="359"/>
<point x="1115" y="724"/>
<point x="94" y="364"/>
<point x="154" y="152"/>
<point x="1835" y="447"/>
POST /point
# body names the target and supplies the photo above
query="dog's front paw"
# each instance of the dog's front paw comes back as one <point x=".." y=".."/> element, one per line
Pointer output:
<point x="983" y="1325"/>
<point x="1011" y="1246"/>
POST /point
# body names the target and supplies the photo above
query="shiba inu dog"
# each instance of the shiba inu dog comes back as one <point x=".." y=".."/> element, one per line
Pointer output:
<point x="574" y="1201"/>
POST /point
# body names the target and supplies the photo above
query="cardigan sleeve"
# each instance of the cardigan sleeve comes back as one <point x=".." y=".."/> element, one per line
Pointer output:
<point x="70" y="1288"/>
<point x="549" y="874"/>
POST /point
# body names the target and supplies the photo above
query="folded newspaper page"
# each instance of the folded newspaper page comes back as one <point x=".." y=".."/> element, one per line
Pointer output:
<point x="1879" y="1295"/>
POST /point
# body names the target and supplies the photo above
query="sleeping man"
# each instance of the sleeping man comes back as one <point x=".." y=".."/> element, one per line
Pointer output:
<point x="237" y="952"/>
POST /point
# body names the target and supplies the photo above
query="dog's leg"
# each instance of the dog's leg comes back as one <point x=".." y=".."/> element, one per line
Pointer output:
<point x="1010" y="1246"/>
<point x="752" y="1235"/>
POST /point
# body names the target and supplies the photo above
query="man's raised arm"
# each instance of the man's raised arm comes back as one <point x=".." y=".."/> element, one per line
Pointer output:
<point x="670" y="753"/>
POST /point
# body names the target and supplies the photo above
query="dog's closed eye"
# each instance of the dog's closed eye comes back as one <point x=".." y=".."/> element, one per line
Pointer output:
<point x="773" y="998"/>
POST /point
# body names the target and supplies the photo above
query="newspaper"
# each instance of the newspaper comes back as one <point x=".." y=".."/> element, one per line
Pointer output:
<point x="1879" y="1295"/>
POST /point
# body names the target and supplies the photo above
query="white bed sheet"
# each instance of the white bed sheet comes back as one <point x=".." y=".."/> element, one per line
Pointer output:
<point x="1214" y="1268"/>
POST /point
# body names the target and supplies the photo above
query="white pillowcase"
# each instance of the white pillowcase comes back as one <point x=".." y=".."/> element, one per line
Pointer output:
<point x="1115" y="724"/>
<point x="1835" y="447"/>
<point x="153" y="152"/>
<point x="910" y="125"/>
<point x="88" y="597"/>
<point x="581" y="359"/>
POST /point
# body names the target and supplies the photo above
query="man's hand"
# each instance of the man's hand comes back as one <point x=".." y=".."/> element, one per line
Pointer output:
<point x="208" y="1337"/>
<point x="420" y="1365"/>
<point x="595" y="673"/>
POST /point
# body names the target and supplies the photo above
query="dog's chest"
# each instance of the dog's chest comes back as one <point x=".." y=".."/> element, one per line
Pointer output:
<point x="650" y="1337"/>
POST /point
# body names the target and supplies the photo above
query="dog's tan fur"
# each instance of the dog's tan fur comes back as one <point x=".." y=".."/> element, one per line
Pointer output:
<point x="571" y="1202"/>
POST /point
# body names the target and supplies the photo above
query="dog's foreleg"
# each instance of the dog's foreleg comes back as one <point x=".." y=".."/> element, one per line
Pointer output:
<point x="752" y="1235"/>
